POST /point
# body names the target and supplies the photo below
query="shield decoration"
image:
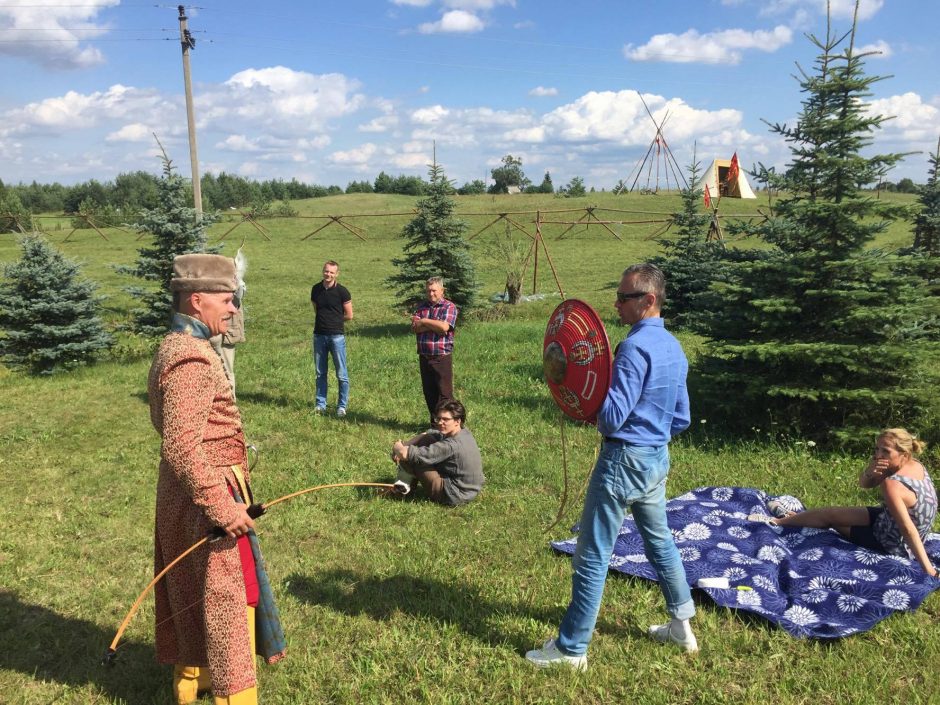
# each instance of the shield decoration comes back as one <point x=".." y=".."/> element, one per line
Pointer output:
<point x="577" y="360"/>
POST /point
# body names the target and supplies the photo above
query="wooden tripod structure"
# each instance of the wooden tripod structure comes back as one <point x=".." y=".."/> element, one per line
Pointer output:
<point x="250" y="219"/>
<point x="533" y="255"/>
<point x="658" y="156"/>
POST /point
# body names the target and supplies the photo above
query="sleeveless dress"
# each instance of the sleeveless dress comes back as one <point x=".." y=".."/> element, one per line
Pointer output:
<point x="922" y="514"/>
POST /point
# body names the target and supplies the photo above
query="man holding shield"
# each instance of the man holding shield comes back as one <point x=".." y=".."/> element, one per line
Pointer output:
<point x="646" y="405"/>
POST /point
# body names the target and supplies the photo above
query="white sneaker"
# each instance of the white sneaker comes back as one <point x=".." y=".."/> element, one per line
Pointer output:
<point x="549" y="656"/>
<point x="341" y="412"/>
<point x="401" y="488"/>
<point x="405" y="479"/>
<point x="678" y="631"/>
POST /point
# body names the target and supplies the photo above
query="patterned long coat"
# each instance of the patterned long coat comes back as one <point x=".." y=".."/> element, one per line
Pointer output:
<point x="200" y="604"/>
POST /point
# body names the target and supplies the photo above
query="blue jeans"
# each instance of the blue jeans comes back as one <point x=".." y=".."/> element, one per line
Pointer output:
<point x="624" y="477"/>
<point x="334" y="345"/>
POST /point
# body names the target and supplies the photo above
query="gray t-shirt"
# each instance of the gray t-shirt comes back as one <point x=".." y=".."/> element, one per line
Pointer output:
<point x="457" y="460"/>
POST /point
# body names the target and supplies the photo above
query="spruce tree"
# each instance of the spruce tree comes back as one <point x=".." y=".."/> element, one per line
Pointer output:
<point x="435" y="247"/>
<point x="690" y="261"/>
<point x="177" y="230"/>
<point x="48" y="314"/>
<point x="927" y="221"/>
<point x="817" y="337"/>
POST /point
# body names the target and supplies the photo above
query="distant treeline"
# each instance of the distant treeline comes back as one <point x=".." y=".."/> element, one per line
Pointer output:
<point x="129" y="193"/>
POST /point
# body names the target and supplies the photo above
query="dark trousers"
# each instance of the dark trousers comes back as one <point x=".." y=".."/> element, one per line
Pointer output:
<point x="437" y="379"/>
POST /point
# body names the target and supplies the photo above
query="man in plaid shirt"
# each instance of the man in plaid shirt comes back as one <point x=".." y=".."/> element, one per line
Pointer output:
<point x="433" y="324"/>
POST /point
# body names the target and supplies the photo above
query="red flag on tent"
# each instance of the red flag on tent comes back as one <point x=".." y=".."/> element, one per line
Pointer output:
<point x="708" y="197"/>
<point x="733" y="169"/>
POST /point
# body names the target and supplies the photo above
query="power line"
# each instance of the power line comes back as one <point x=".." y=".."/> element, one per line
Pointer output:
<point x="88" y="29"/>
<point x="97" y="5"/>
<point x="74" y="39"/>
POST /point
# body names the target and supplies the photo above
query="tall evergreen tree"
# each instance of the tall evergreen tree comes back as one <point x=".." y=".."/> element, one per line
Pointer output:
<point x="176" y="230"/>
<point x="817" y="336"/>
<point x="48" y="314"/>
<point x="927" y="222"/>
<point x="547" y="186"/>
<point x="690" y="261"/>
<point x="435" y="247"/>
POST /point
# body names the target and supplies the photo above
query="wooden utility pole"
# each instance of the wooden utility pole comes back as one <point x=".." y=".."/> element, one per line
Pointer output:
<point x="189" y="42"/>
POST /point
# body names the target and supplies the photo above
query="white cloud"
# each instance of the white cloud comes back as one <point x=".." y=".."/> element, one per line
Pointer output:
<point x="723" y="47"/>
<point x="134" y="132"/>
<point x="620" y="117"/>
<point x="411" y="160"/>
<point x="380" y="124"/>
<point x="413" y="3"/>
<point x="841" y="9"/>
<point x="846" y="8"/>
<point x="525" y="24"/>
<point x="358" y="156"/>
<point x="526" y="134"/>
<point x="454" y="21"/>
<point x="881" y="46"/>
<point x="64" y="26"/>
<point x="914" y="120"/>
<point x="80" y="110"/>
<point x="542" y="91"/>
<point x="279" y="96"/>
<point x="429" y="116"/>
<point x="318" y="142"/>
<point x="239" y="143"/>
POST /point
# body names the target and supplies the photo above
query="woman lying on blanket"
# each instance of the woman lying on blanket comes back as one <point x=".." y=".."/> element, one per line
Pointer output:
<point x="909" y="503"/>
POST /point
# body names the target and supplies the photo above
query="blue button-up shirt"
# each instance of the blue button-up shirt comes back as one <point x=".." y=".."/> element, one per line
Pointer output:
<point x="648" y="401"/>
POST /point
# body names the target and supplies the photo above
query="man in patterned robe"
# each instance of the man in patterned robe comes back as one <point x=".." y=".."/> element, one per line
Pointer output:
<point x="206" y="606"/>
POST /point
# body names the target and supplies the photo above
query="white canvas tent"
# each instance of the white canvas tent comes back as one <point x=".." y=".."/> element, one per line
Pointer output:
<point x="715" y="177"/>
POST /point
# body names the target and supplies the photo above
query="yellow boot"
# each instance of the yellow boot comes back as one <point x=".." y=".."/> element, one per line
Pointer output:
<point x="188" y="681"/>
<point x="248" y="696"/>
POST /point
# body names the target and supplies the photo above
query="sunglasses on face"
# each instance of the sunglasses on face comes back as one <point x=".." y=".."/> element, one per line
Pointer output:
<point x="623" y="297"/>
<point x="441" y="419"/>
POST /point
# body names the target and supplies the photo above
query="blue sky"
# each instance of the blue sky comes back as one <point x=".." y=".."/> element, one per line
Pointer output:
<point x="330" y="92"/>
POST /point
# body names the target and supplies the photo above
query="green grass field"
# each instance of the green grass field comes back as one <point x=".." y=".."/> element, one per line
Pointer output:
<point x="394" y="602"/>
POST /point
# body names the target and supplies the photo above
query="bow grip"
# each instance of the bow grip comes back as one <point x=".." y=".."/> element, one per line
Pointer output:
<point x="254" y="511"/>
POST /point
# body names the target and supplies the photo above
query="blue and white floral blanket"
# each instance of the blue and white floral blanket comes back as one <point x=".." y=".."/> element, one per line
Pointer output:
<point x="811" y="582"/>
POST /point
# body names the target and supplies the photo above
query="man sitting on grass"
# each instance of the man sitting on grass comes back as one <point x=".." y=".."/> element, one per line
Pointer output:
<point x="446" y="460"/>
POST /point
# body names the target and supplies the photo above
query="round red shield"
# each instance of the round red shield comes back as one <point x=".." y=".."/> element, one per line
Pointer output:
<point x="577" y="359"/>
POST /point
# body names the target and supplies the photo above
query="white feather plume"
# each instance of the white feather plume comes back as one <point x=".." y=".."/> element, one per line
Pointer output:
<point x="241" y="266"/>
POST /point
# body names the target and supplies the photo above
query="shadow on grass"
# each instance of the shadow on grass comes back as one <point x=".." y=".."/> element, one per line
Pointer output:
<point x="354" y="416"/>
<point x="46" y="646"/>
<point x="460" y="605"/>
<point x="278" y="400"/>
<point x="383" y="330"/>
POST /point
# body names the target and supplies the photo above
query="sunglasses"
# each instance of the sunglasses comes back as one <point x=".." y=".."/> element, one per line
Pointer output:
<point x="623" y="297"/>
<point x="439" y="419"/>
